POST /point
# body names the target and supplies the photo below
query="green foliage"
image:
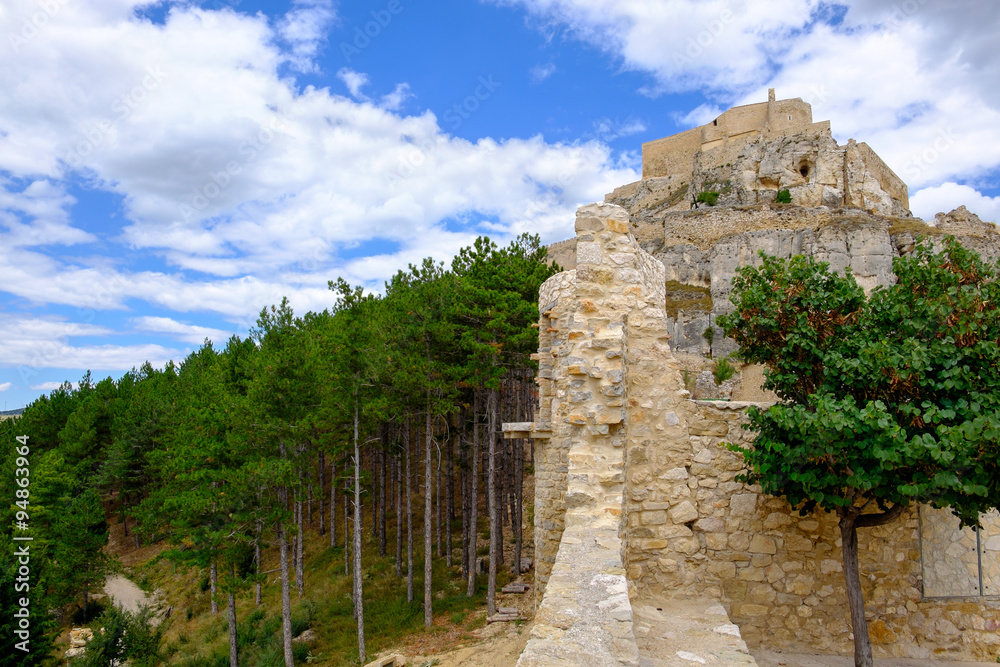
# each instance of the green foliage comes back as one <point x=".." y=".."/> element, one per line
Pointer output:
<point x="123" y="635"/>
<point x="891" y="399"/>
<point x="711" y="198"/>
<point x="722" y="370"/>
<point x="783" y="197"/>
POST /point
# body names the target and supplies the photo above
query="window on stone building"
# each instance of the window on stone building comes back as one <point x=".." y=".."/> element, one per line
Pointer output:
<point x="956" y="561"/>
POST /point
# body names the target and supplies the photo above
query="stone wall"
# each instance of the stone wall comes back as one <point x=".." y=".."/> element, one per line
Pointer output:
<point x="779" y="574"/>
<point x="636" y="492"/>
<point x="721" y="140"/>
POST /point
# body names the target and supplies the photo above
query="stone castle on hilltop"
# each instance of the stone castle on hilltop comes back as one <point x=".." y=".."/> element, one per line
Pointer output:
<point x="648" y="549"/>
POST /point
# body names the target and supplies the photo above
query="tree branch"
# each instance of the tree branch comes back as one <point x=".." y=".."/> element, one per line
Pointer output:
<point x="871" y="520"/>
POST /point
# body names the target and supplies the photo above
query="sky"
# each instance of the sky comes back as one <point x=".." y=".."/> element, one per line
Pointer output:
<point x="168" y="169"/>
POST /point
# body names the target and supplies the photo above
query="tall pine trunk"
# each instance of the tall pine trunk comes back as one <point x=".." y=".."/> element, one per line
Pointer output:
<point x="409" y="515"/>
<point x="233" y="661"/>
<point x="333" y="502"/>
<point x="474" y="499"/>
<point x="359" y="607"/>
<point x="491" y="501"/>
<point x="213" y="578"/>
<point x="449" y="500"/>
<point x="299" y="539"/>
<point x="286" y="598"/>
<point x="257" y="565"/>
<point x="321" y="464"/>
<point x="382" y="461"/>
<point x="428" y="560"/>
<point x="399" y="514"/>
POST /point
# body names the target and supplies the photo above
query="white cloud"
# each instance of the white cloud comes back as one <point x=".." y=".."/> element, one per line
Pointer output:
<point x="700" y="115"/>
<point x="540" y="73"/>
<point x="354" y="81"/>
<point x="908" y="78"/>
<point x="304" y="28"/>
<point x="33" y="343"/>
<point x="188" y="333"/>
<point x="947" y="197"/>
<point x="6" y="385"/>
<point x="52" y="386"/>
<point x="607" y="129"/>
<point x="249" y="188"/>
<point x="394" y="100"/>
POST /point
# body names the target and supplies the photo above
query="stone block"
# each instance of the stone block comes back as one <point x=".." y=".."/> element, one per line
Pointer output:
<point x="684" y="512"/>
<point x="743" y="504"/>
<point x="588" y="253"/>
<point x="716" y="428"/>
<point x="761" y="544"/>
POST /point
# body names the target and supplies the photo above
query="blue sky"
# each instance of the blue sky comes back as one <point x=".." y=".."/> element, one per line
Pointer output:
<point x="168" y="169"/>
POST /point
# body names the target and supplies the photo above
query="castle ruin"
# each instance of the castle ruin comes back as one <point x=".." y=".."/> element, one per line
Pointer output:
<point x="639" y="519"/>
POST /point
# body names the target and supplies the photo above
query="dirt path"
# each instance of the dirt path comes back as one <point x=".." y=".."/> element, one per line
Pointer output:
<point x="501" y="646"/>
<point x="124" y="593"/>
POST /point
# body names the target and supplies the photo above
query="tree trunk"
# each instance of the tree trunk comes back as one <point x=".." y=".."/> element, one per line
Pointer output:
<point x="449" y="500"/>
<point x="213" y="578"/>
<point x="491" y="501"/>
<point x="518" y="502"/>
<point x="474" y="499"/>
<point x="382" y="461"/>
<point x="257" y="565"/>
<point x="300" y="582"/>
<point x="333" y="502"/>
<point x="322" y="490"/>
<point x="399" y="515"/>
<point x="347" y="536"/>
<point x="359" y="606"/>
<point x="86" y="601"/>
<point x="286" y="599"/>
<point x="437" y="509"/>
<point x="428" y="490"/>
<point x="409" y="515"/>
<point x="855" y="599"/>
<point x="233" y="661"/>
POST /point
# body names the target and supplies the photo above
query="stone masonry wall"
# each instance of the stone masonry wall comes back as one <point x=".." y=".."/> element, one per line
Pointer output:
<point x="585" y="617"/>
<point x="779" y="574"/>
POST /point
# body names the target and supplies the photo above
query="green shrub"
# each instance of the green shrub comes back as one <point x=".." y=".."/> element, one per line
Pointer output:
<point x="710" y="198"/>
<point x="784" y="197"/>
<point x="723" y="370"/>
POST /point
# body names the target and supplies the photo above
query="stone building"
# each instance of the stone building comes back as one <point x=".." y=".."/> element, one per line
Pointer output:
<point x="636" y="498"/>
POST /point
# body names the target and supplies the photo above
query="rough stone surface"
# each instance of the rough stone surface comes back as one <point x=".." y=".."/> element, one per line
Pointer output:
<point x="635" y="488"/>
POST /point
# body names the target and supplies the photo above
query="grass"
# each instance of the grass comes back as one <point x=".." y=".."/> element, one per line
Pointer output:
<point x="687" y="297"/>
<point x="913" y="226"/>
<point x="196" y="638"/>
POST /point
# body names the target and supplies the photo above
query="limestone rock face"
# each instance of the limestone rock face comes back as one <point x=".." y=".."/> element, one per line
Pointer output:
<point x="811" y="165"/>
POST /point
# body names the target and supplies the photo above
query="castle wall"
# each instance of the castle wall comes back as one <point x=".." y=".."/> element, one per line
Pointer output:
<point x="636" y="492"/>
<point x="780" y="575"/>
<point x="721" y="140"/>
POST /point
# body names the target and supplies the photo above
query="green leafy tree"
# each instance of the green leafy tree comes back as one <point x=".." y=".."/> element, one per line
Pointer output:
<point x="886" y="401"/>
<point x="124" y="636"/>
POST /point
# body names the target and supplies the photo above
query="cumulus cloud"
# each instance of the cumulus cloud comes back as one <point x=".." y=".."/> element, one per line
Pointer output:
<point x="188" y="333"/>
<point x="34" y="343"/>
<point x="907" y="77"/>
<point x="947" y="197"/>
<point x="6" y="385"/>
<point x="247" y="187"/>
